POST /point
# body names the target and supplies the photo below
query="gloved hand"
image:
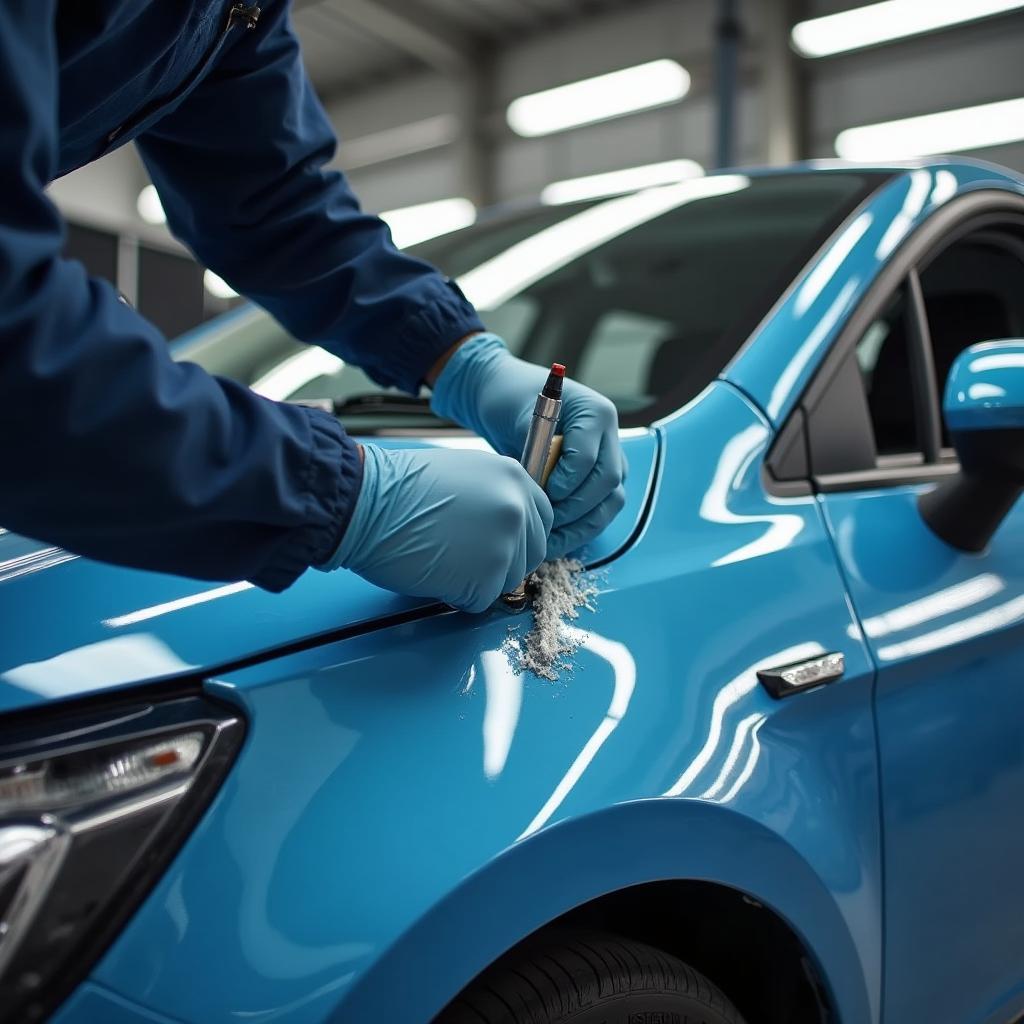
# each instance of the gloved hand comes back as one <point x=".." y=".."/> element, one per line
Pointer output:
<point x="460" y="526"/>
<point x="487" y="389"/>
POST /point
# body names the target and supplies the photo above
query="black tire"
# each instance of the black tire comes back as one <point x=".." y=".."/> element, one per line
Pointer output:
<point x="590" y="978"/>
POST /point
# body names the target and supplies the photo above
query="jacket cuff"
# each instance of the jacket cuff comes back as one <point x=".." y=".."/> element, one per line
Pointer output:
<point x="427" y="334"/>
<point x="331" y="483"/>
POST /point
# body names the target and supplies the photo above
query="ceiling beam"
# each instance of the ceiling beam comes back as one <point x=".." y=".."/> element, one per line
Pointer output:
<point x="410" y="30"/>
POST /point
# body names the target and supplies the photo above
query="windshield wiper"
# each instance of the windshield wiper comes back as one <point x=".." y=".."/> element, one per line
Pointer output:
<point x="373" y="403"/>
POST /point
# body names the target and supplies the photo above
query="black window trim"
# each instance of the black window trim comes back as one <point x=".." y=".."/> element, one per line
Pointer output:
<point x="969" y="214"/>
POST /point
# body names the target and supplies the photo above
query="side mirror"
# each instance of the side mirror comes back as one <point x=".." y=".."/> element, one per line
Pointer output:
<point x="984" y="411"/>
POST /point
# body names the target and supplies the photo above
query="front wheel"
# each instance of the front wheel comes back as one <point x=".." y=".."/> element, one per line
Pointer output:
<point x="590" y="978"/>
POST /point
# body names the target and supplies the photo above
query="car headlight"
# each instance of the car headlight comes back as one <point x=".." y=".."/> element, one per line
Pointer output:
<point x="94" y="802"/>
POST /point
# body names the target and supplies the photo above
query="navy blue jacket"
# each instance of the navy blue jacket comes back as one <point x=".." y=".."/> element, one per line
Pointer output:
<point x="107" y="447"/>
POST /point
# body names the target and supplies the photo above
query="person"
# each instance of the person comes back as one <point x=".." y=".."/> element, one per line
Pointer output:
<point x="114" y="451"/>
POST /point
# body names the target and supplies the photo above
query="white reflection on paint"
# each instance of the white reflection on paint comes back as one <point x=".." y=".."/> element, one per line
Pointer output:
<point x="504" y="689"/>
<point x="997" y="361"/>
<point x="734" y="462"/>
<point x="945" y="187"/>
<point x="730" y="695"/>
<point x="983" y="390"/>
<point x="830" y="263"/>
<point x="34" y="561"/>
<point x="977" y="625"/>
<point x="942" y="602"/>
<point x="122" y="659"/>
<point x="624" y="668"/>
<point x="156" y="610"/>
<point x="796" y="366"/>
<point x="917" y="195"/>
<point x="732" y="758"/>
<point x="498" y="279"/>
<point x="748" y="768"/>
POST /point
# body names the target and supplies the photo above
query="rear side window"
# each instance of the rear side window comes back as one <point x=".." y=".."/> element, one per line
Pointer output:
<point x="881" y="409"/>
<point x="883" y="357"/>
<point x="973" y="292"/>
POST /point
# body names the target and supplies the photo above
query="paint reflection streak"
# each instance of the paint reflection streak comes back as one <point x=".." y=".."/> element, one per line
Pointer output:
<point x="730" y="694"/>
<point x="736" y="458"/>
<point x="504" y="687"/>
<point x="917" y="195"/>
<point x="748" y="768"/>
<point x="624" y="668"/>
<point x="34" y="561"/>
<point x="977" y="625"/>
<point x="743" y="730"/>
<point x="167" y="607"/>
<point x="942" y="602"/>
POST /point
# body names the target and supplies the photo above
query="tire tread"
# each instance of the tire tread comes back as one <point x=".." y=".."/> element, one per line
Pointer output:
<point x="594" y="966"/>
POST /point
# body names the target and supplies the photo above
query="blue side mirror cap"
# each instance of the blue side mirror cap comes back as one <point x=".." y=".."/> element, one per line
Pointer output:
<point x="984" y="411"/>
<point x="985" y="388"/>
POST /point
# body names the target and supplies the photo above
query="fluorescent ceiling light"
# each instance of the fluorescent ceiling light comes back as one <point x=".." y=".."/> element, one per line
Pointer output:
<point x="151" y="210"/>
<point x="596" y="99"/>
<point x="412" y="224"/>
<point x="883" y="22"/>
<point x="498" y="279"/>
<point x="615" y="182"/>
<point x="991" y="124"/>
<point x="217" y="286"/>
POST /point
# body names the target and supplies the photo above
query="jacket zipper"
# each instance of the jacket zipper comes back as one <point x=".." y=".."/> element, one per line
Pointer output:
<point x="247" y="14"/>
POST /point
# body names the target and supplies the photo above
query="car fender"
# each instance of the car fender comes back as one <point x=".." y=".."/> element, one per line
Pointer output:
<point x="575" y="861"/>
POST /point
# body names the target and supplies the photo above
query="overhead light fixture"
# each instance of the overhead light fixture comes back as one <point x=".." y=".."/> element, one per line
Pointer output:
<point x="949" y="131"/>
<point x="616" y="182"/>
<point x="151" y="210"/>
<point x="413" y="224"/>
<point x="217" y="286"/>
<point x="597" y="99"/>
<point x="884" y="22"/>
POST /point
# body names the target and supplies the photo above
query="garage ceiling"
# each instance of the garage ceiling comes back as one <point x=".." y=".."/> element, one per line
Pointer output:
<point x="351" y="45"/>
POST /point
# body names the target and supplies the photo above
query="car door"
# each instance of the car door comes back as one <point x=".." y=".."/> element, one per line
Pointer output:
<point x="946" y="628"/>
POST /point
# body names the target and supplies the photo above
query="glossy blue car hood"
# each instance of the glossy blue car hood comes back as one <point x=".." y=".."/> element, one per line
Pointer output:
<point x="70" y="626"/>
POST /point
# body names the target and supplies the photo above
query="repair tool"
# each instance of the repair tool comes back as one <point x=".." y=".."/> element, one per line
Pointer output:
<point x="537" y="452"/>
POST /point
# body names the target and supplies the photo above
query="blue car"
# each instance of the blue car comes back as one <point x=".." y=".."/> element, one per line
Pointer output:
<point x="782" y="782"/>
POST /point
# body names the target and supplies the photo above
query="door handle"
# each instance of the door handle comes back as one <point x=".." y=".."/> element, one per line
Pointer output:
<point x="802" y="675"/>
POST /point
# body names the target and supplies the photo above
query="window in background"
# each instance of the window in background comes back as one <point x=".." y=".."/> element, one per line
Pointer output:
<point x="95" y="249"/>
<point x="170" y="291"/>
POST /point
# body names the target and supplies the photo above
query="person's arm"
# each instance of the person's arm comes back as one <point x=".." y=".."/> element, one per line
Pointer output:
<point x="110" y="449"/>
<point x="241" y="169"/>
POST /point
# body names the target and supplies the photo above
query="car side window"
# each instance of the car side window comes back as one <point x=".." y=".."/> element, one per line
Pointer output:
<point x="883" y="356"/>
<point x="872" y="416"/>
<point x="865" y="417"/>
<point x="973" y="291"/>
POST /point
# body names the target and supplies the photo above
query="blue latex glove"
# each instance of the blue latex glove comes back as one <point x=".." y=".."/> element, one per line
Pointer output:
<point x="460" y="526"/>
<point x="487" y="389"/>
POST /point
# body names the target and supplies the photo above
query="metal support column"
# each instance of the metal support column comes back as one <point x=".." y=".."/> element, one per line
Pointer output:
<point x="727" y="44"/>
<point x="783" y="118"/>
<point x="475" y="146"/>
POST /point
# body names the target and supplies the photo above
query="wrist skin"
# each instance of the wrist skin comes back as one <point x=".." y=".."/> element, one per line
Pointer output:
<point x="435" y="371"/>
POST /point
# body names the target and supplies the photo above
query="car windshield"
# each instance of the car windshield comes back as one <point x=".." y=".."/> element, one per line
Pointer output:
<point x="645" y="297"/>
